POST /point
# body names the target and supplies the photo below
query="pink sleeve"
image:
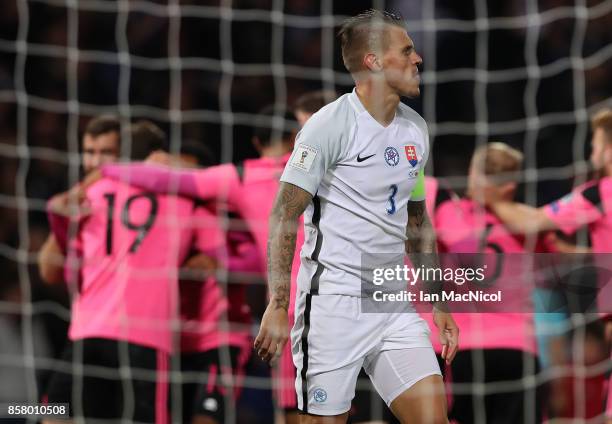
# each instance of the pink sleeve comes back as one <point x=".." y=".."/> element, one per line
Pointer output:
<point x="159" y="179"/>
<point x="220" y="183"/>
<point x="573" y="211"/>
<point x="214" y="183"/>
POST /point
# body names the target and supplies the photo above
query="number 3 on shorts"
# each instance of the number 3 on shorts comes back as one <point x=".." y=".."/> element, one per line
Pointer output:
<point x="391" y="208"/>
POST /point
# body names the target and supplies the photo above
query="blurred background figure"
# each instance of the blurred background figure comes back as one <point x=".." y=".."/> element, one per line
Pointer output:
<point x="100" y="144"/>
<point x="494" y="337"/>
<point x="309" y="103"/>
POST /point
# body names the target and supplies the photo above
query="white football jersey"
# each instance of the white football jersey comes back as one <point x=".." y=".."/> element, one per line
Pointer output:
<point x="361" y="176"/>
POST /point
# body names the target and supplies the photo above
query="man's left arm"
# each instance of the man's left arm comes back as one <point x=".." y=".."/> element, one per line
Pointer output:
<point x="421" y="238"/>
<point x="420" y="244"/>
<point x="421" y="248"/>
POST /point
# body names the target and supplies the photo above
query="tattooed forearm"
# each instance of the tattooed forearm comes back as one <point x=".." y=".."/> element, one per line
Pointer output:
<point x="289" y="205"/>
<point x="420" y="232"/>
<point x="421" y="243"/>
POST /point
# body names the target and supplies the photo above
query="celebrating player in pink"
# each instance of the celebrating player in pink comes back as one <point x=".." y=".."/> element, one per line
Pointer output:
<point x="247" y="189"/>
<point x="127" y="295"/>
<point x="100" y="144"/>
<point x="215" y="337"/>
<point x="491" y="338"/>
<point x="588" y="205"/>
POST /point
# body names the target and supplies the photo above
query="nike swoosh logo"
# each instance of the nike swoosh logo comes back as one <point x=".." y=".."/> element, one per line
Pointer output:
<point x="361" y="159"/>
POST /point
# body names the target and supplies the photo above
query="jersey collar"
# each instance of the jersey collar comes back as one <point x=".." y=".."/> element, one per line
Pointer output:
<point x="355" y="102"/>
<point x="360" y="109"/>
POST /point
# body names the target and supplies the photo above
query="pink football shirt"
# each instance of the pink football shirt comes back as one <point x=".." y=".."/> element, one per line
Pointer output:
<point x="436" y="193"/>
<point x="586" y="205"/>
<point x="260" y="182"/>
<point x="431" y="192"/>
<point x="465" y="227"/>
<point x="132" y="246"/>
<point x="249" y="190"/>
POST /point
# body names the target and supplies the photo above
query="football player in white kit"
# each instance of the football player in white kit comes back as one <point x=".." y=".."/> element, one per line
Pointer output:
<point x="356" y="173"/>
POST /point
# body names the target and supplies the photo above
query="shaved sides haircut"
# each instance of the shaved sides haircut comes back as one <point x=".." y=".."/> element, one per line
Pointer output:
<point x="365" y="32"/>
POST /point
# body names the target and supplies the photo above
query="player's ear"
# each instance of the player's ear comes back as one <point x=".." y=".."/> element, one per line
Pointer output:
<point x="372" y="62"/>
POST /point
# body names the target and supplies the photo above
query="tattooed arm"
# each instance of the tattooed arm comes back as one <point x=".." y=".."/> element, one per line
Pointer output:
<point x="290" y="203"/>
<point x="422" y="251"/>
<point x="421" y="243"/>
<point x="420" y="232"/>
<point x="289" y="206"/>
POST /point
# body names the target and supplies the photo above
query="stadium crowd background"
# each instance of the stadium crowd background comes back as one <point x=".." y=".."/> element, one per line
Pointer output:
<point x="46" y="82"/>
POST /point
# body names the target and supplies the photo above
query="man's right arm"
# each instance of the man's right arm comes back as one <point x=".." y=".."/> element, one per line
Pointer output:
<point x="580" y="207"/>
<point x="290" y="203"/>
<point x="284" y="220"/>
<point x="316" y="150"/>
<point x="214" y="183"/>
<point x="51" y="261"/>
<point x="521" y="218"/>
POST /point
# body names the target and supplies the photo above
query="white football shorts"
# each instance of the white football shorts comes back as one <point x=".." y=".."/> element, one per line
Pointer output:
<point x="332" y="339"/>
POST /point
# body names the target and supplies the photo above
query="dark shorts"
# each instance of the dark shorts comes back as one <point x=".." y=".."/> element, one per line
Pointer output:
<point x="118" y="380"/>
<point x="206" y="376"/>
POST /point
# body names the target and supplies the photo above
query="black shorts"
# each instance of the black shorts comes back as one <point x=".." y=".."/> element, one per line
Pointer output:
<point x="101" y="391"/>
<point x="510" y="366"/>
<point x="205" y="388"/>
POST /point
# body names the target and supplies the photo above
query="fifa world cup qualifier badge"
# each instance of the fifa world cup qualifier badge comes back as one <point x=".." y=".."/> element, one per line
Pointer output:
<point x="303" y="157"/>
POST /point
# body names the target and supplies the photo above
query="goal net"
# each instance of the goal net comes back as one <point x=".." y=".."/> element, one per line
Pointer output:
<point x="527" y="73"/>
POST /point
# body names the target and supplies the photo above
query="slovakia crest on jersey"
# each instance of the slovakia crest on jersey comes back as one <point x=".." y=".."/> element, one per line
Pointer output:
<point x="411" y="154"/>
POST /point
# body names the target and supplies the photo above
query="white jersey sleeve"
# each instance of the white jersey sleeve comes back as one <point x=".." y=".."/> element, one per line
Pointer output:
<point x="317" y="149"/>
